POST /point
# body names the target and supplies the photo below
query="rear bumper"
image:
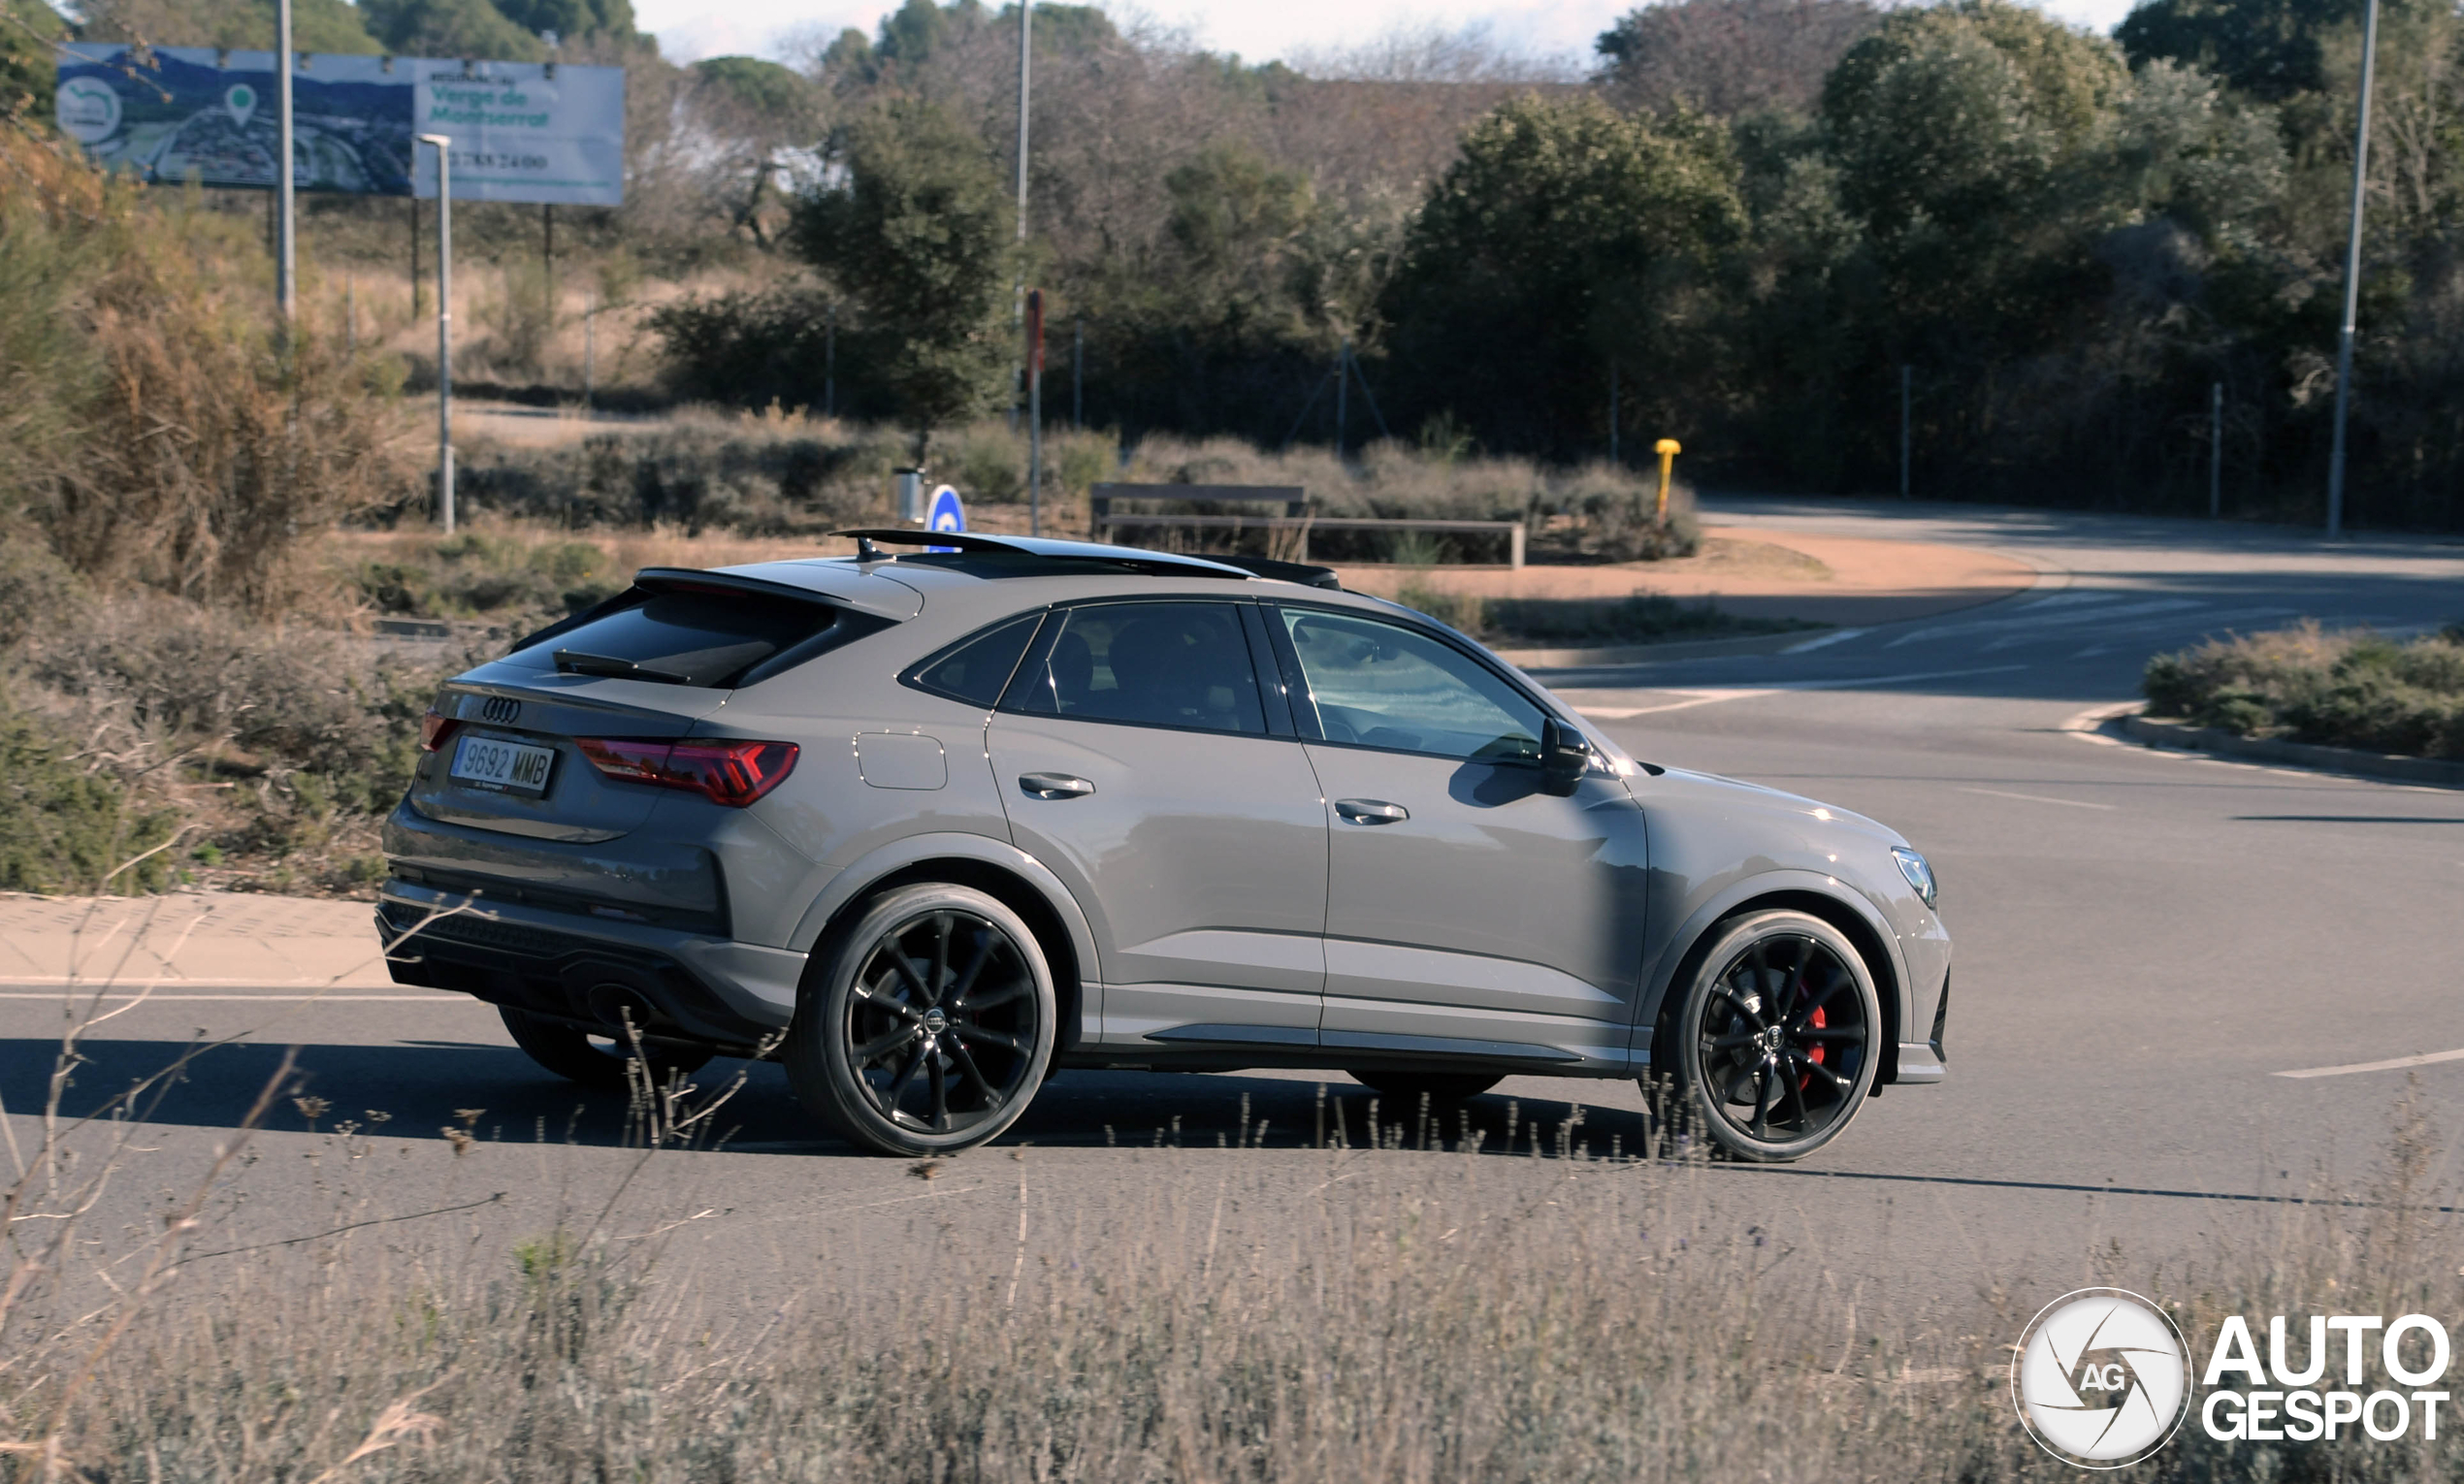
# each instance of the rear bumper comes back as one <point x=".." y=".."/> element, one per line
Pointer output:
<point x="679" y="984"/>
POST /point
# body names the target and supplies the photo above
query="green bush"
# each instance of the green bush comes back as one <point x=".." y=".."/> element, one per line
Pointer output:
<point x="2353" y="689"/>
<point x="66" y="827"/>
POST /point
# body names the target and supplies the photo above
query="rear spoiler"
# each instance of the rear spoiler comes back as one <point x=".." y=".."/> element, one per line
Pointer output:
<point x="651" y="580"/>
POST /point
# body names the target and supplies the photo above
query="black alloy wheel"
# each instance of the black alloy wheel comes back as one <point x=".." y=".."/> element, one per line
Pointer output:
<point x="934" y="1024"/>
<point x="1780" y="1039"/>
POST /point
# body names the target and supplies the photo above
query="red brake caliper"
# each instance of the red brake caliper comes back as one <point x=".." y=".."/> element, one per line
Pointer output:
<point x="1815" y="1055"/>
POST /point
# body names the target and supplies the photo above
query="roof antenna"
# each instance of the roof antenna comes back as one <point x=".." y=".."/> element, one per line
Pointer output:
<point x="866" y="551"/>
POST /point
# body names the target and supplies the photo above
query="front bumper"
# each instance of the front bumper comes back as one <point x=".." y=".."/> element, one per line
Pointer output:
<point x="675" y="984"/>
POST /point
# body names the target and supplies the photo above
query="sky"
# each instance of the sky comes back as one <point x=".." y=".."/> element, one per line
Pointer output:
<point x="1259" y="30"/>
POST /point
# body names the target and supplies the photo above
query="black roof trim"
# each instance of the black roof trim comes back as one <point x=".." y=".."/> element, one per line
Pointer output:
<point x="1160" y="564"/>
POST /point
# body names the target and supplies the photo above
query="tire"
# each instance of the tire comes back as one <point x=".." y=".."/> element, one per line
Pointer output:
<point x="1777" y="1039"/>
<point x="926" y="1025"/>
<point x="576" y="1055"/>
<point x="1406" y="1088"/>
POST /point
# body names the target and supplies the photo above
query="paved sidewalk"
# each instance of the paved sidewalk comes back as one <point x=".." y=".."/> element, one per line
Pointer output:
<point x="1763" y="572"/>
<point x="188" y="940"/>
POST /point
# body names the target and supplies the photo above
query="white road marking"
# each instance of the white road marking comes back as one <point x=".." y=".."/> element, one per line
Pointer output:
<point x="1824" y="640"/>
<point x="2392" y="1064"/>
<point x="2073" y="619"/>
<point x="1705" y="698"/>
<point x="2039" y="799"/>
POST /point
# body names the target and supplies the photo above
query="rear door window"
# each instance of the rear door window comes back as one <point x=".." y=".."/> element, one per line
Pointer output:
<point x="976" y="668"/>
<point x="708" y="637"/>
<point x="1152" y="664"/>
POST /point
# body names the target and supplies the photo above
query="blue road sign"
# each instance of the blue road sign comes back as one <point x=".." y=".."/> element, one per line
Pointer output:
<point x="945" y="513"/>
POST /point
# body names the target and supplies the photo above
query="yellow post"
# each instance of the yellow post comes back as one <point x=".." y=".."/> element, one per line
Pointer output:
<point x="1668" y="450"/>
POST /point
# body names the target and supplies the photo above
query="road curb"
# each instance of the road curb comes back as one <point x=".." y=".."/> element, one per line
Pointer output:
<point x="2181" y="736"/>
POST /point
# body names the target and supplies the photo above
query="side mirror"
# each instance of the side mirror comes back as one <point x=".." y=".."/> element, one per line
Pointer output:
<point x="1564" y="758"/>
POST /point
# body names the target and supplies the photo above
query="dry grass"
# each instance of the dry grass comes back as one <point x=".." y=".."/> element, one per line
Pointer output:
<point x="1412" y="1311"/>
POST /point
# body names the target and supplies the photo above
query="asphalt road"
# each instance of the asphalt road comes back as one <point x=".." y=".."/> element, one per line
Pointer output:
<point x="2146" y="945"/>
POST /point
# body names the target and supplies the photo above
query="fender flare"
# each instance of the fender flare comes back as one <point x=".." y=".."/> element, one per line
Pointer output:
<point x="1662" y="971"/>
<point x="856" y="877"/>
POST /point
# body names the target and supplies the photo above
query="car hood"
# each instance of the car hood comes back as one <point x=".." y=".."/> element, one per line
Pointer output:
<point x="1709" y="795"/>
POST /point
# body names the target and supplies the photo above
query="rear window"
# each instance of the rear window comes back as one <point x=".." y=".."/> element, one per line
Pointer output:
<point x="689" y="638"/>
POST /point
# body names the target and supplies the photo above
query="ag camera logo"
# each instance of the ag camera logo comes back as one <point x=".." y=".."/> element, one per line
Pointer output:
<point x="2101" y="1378"/>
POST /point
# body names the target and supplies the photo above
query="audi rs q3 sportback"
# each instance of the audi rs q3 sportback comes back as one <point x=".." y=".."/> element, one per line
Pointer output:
<point x="928" y="825"/>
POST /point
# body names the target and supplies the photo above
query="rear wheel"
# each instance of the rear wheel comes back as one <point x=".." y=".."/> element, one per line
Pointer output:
<point x="1778" y="1038"/>
<point x="1408" y="1087"/>
<point x="929" y="1025"/>
<point x="595" y="1060"/>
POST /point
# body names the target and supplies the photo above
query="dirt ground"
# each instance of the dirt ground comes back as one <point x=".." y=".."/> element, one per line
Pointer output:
<point x="1770" y="575"/>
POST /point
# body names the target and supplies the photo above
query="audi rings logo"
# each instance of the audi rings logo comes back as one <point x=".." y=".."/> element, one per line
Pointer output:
<point x="504" y="710"/>
<point x="2101" y="1378"/>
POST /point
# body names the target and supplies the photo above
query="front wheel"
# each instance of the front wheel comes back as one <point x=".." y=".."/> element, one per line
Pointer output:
<point x="1778" y="1038"/>
<point x="929" y="1025"/>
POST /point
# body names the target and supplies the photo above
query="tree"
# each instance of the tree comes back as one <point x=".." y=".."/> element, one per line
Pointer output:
<point x="450" y="28"/>
<point x="918" y="235"/>
<point x="1566" y="236"/>
<point x="761" y="116"/>
<point x="332" y="26"/>
<point x="2267" y="49"/>
<point x="1728" y="57"/>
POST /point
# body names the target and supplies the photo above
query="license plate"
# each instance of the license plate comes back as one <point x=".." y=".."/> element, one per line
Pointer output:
<point x="515" y="767"/>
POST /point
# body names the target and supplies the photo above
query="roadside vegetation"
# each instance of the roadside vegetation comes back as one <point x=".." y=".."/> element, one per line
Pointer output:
<point x="2347" y="687"/>
<point x="1436" y="1299"/>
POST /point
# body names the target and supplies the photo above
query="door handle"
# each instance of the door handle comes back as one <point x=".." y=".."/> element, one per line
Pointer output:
<point x="1054" y="786"/>
<point x="1370" y="811"/>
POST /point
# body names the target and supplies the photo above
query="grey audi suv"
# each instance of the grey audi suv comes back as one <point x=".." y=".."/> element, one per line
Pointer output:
<point x="930" y="823"/>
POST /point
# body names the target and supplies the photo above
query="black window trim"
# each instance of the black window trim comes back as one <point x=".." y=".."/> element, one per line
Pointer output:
<point x="1039" y="650"/>
<point x="912" y="677"/>
<point x="1297" y="678"/>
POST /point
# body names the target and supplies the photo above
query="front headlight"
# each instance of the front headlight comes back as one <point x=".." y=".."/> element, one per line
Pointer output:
<point x="1919" y="874"/>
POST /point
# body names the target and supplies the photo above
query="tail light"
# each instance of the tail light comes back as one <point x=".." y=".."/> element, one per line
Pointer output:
<point x="435" y="729"/>
<point x="729" y="773"/>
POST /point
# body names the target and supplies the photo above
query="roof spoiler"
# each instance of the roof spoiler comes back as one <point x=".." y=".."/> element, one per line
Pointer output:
<point x="1161" y="563"/>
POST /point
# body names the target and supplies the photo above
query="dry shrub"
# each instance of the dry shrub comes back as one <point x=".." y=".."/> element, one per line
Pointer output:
<point x="2348" y="688"/>
<point x="167" y="437"/>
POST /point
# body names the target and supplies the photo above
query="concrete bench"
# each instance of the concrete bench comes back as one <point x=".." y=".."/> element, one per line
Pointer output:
<point x="1295" y="517"/>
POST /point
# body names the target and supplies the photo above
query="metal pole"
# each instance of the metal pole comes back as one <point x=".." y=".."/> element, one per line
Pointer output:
<point x="1343" y="364"/>
<point x="1613" y="411"/>
<point x="414" y="257"/>
<point x="2216" y="450"/>
<point x="1026" y="52"/>
<point x="1078" y="375"/>
<point x="1903" y="429"/>
<point x="443" y="146"/>
<point x="286" y="230"/>
<point x="589" y="347"/>
<point x="2352" y="277"/>
<point x="1036" y="413"/>
<point x="829" y="363"/>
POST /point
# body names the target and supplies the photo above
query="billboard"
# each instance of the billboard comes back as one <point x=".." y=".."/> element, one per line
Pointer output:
<point x="521" y="131"/>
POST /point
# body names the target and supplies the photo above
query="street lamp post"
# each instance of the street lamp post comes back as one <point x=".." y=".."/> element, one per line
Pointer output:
<point x="2352" y="277"/>
<point x="285" y="232"/>
<point x="443" y="146"/>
